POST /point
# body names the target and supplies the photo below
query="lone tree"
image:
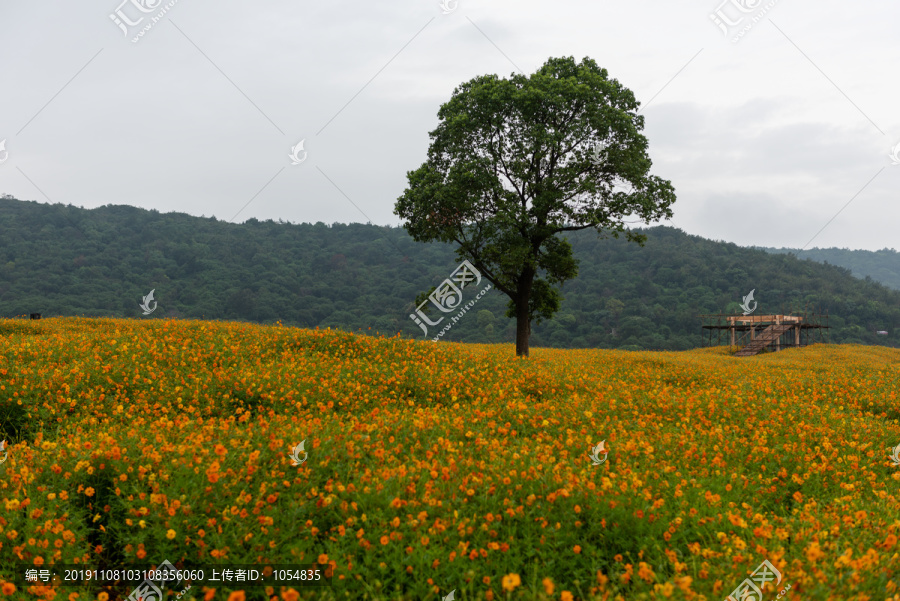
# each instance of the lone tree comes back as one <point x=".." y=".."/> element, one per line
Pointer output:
<point x="514" y="162"/>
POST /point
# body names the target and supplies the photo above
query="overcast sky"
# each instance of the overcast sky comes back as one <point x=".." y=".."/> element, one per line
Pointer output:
<point x="766" y="137"/>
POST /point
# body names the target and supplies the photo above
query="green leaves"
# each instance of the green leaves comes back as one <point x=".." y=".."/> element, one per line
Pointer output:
<point x="510" y="167"/>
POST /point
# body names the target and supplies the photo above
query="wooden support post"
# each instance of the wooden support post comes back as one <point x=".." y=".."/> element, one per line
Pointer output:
<point x="797" y="335"/>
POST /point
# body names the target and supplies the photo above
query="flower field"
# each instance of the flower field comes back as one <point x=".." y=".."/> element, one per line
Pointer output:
<point x="443" y="467"/>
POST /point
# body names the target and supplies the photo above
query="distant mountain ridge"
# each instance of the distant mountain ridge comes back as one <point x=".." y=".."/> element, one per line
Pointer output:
<point x="880" y="265"/>
<point x="64" y="260"/>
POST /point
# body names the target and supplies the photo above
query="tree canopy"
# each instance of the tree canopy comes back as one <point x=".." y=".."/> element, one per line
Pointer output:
<point x="516" y="162"/>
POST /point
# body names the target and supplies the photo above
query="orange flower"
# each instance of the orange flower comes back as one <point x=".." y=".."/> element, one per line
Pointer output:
<point x="9" y="588"/>
<point x="565" y="596"/>
<point x="237" y="596"/>
<point x="290" y="595"/>
<point x="323" y="559"/>
<point x="220" y="450"/>
<point x="813" y="552"/>
<point x="89" y="491"/>
<point x="683" y="582"/>
<point x="511" y="581"/>
<point x="384" y="540"/>
<point x="645" y="572"/>
<point x="548" y="586"/>
<point x="577" y="549"/>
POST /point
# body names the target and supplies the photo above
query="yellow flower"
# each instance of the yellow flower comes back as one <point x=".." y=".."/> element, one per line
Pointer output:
<point x="142" y="524"/>
<point x="170" y="534"/>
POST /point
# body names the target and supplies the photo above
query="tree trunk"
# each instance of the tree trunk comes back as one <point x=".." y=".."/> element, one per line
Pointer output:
<point x="523" y="327"/>
<point x="523" y="318"/>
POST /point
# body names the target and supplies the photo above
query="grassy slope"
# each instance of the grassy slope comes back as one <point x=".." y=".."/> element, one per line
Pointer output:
<point x="439" y="467"/>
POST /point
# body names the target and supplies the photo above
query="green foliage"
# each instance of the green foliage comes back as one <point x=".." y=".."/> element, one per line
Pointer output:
<point x="485" y="318"/>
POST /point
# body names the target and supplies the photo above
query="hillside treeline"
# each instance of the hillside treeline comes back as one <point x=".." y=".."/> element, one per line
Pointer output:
<point x="881" y="265"/>
<point x="64" y="260"/>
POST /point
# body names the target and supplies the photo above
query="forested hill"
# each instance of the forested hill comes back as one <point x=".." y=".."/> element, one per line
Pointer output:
<point x="63" y="260"/>
<point x="880" y="265"/>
